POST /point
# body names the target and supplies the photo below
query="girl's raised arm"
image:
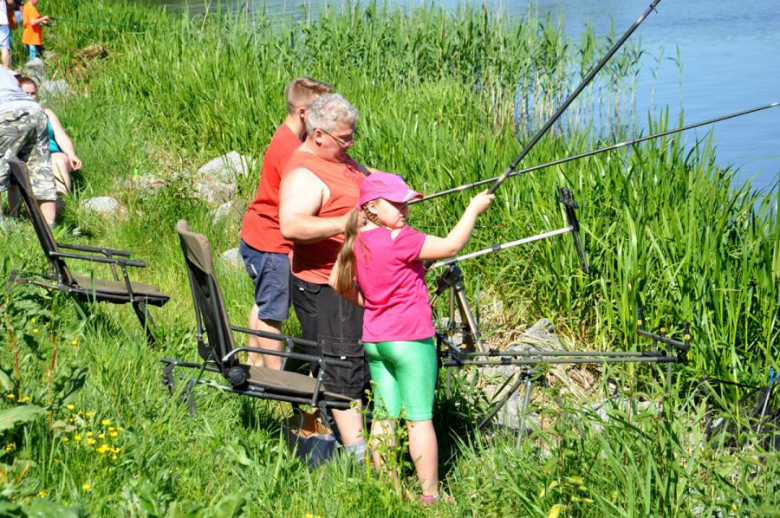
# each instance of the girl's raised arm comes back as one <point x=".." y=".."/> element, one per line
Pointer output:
<point x="436" y="248"/>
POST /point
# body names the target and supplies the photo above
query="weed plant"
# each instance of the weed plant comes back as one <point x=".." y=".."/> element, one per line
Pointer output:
<point x="445" y="99"/>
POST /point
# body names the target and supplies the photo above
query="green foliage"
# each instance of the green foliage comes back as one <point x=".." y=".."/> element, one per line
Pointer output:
<point x="445" y="99"/>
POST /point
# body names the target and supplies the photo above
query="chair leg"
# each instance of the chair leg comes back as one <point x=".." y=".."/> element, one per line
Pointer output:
<point x="147" y="322"/>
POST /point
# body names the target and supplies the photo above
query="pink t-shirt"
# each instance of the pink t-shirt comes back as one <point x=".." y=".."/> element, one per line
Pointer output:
<point x="392" y="280"/>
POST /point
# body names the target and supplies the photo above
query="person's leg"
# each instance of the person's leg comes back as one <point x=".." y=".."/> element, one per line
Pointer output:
<point x="416" y="369"/>
<point x="270" y="273"/>
<point x="339" y="331"/>
<point x="60" y="164"/>
<point x="5" y="44"/>
<point x="39" y="168"/>
<point x="387" y="406"/>
<point x="32" y="51"/>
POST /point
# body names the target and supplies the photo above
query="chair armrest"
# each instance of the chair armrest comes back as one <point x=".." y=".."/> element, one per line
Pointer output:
<point x="105" y="251"/>
<point x="293" y="356"/>
<point x="274" y="336"/>
<point x="106" y="260"/>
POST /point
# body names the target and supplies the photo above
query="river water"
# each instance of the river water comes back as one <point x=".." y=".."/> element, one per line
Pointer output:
<point x="727" y="63"/>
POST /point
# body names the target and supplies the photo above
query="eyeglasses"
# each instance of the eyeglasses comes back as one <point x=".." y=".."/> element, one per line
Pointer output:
<point x="341" y="142"/>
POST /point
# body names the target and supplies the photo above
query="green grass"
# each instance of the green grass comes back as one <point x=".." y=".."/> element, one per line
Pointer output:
<point x="438" y="95"/>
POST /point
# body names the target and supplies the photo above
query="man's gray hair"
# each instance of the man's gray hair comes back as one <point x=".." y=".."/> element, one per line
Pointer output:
<point x="326" y="112"/>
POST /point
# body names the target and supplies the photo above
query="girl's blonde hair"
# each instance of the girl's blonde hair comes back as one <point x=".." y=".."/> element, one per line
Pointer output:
<point x="347" y="272"/>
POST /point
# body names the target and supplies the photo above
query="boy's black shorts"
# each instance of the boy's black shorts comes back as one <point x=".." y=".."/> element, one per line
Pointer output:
<point x="337" y="327"/>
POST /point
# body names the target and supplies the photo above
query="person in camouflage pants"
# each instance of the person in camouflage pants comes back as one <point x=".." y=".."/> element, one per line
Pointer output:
<point x="24" y="134"/>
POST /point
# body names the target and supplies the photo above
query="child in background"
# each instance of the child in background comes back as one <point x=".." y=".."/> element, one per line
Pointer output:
<point x="33" y="22"/>
<point x="381" y="266"/>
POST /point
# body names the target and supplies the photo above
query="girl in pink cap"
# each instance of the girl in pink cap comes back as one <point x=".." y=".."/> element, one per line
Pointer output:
<point x="381" y="267"/>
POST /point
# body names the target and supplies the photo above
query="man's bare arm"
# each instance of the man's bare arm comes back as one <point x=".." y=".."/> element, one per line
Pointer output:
<point x="300" y="199"/>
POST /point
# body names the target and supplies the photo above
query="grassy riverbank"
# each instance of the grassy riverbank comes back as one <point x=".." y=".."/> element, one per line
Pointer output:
<point x="438" y="100"/>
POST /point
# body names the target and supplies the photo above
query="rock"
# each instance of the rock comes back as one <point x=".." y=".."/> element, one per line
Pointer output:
<point x="54" y="88"/>
<point x="226" y="168"/>
<point x="49" y="54"/>
<point x="105" y="206"/>
<point x="146" y="183"/>
<point x="542" y="336"/>
<point x="509" y="416"/>
<point x="231" y="259"/>
<point x="621" y="404"/>
<point x="232" y="210"/>
<point x="215" y="191"/>
<point x="36" y="70"/>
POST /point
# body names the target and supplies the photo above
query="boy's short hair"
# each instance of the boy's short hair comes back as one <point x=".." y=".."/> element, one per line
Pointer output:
<point x="302" y="91"/>
<point x="26" y="81"/>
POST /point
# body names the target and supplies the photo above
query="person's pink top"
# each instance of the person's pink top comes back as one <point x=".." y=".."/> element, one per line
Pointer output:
<point x="392" y="280"/>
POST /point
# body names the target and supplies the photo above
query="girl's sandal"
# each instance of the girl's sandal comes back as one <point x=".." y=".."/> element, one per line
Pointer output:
<point x="438" y="498"/>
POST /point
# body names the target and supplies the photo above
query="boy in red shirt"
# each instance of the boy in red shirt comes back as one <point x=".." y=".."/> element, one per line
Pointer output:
<point x="264" y="250"/>
<point x="33" y="22"/>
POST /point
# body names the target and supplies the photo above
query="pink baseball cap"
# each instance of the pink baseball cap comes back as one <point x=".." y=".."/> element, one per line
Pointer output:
<point x="385" y="185"/>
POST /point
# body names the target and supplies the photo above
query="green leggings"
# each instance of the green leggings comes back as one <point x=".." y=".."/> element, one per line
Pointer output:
<point x="403" y="375"/>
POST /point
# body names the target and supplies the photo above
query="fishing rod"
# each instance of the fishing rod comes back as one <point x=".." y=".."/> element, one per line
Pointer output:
<point x="547" y="125"/>
<point x="600" y="150"/>
<point x="94" y="22"/>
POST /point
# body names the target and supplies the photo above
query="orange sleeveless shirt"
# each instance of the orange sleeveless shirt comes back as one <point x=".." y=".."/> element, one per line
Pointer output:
<point x="313" y="262"/>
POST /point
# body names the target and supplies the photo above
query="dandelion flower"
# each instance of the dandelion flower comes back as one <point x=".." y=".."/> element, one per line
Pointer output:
<point x="77" y="438"/>
<point x="101" y="436"/>
<point x="10" y="396"/>
<point x="75" y="341"/>
<point x="25" y="399"/>
<point x="70" y="407"/>
<point x="72" y="420"/>
<point x="35" y="330"/>
<point x="86" y="487"/>
<point x="113" y="457"/>
<point x="105" y="422"/>
<point x="90" y="414"/>
<point x="65" y="439"/>
<point x="42" y="494"/>
<point x="111" y="428"/>
<point x="119" y="428"/>
<point x="113" y="434"/>
<point x="89" y="434"/>
<point x="33" y="320"/>
<point x="90" y="441"/>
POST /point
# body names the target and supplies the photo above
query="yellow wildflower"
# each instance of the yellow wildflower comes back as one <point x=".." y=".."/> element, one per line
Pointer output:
<point x="42" y="494"/>
<point x="119" y="428"/>
<point x="113" y="434"/>
<point x="113" y="457"/>
<point x="77" y="438"/>
<point x="105" y="422"/>
<point x="75" y="341"/>
<point x="35" y="330"/>
<point x="86" y="487"/>
<point x="90" y="414"/>
<point x="32" y="321"/>
<point x="70" y="407"/>
<point x="101" y="436"/>
<point x="10" y="396"/>
<point x="25" y="399"/>
<point x="89" y="434"/>
<point x="111" y="428"/>
<point x="90" y="441"/>
<point x="72" y="420"/>
<point x="10" y="447"/>
<point x="57" y="461"/>
<point x="65" y="439"/>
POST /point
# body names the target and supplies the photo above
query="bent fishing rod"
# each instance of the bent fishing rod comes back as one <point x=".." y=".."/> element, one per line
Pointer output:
<point x="94" y="22"/>
<point x="600" y="150"/>
<point x="555" y="116"/>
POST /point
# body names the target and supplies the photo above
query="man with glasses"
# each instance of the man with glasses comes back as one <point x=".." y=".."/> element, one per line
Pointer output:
<point x="320" y="187"/>
<point x="264" y="250"/>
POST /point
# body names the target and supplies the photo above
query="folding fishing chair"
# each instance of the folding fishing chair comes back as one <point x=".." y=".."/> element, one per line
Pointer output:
<point x="84" y="288"/>
<point x="220" y="354"/>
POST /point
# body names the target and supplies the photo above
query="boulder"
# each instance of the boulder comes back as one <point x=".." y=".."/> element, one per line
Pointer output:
<point x="145" y="183"/>
<point x="105" y="206"/>
<point x="215" y="191"/>
<point x="36" y="70"/>
<point x="226" y="168"/>
<point x="54" y="88"/>
<point x="510" y="415"/>
<point x="231" y="259"/>
<point x="230" y="211"/>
